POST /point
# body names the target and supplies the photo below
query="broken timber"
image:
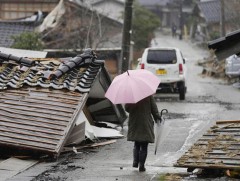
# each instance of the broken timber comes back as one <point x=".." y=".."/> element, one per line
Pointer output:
<point x="218" y="148"/>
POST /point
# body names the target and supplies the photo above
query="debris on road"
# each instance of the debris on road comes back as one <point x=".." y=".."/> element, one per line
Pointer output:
<point x="90" y="145"/>
<point x="217" y="149"/>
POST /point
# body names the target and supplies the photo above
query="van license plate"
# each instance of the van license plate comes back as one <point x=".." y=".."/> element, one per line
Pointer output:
<point x="161" y="72"/>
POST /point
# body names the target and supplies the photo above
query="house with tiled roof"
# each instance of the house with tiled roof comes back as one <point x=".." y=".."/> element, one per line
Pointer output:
<point x="208" y="14"/>
<point x="79" y="26"/>
<point x="10" y="28"/>
<point x="69" y="29"/>
<point x="17" y="9"/>
<point x="19" y="16"/>
<point x="41" y="100"/>
<point x="112" y="8"/>
<point x="73" y="25"/>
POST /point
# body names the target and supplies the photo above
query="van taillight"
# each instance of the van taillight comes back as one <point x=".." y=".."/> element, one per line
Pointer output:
<point x="142" y="66"/>
<point x="180" y="68"/>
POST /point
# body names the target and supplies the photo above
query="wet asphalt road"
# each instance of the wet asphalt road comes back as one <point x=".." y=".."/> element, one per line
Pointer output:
<point x="207" y="100"/>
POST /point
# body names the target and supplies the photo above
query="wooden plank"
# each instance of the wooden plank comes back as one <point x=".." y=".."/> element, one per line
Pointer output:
<point x="55" y="91"/>
<point x="35" y="123"/>
<point x="228" y="122"/>
<point x="30" y="128"/>
<point x="28" y="98"/>
<point x="48" y="103"/>
<point x="54" y="108"/>
<point x="54" y="94"/>
<point x="88" y="115"/>
<point x="26" y="138"/>
<point x="94" y="145"/>
<point x="222" y="127"/>
<point x="223" y="157"/>
<point x="30" y="109"/>
<point x="227" y="130"/>
<point x="226" y="134"/>
<point x="26" y="144"/>
<point x="231" y="148"/>
<point x="212" y="162"/>
<point x="38" y="121"/>
<point x="217" y="142"/>
<point x="207" y="166"/>
<point x="70" y="127"/>
<point x="33" y="115"/>
<point x="27" y="133"/>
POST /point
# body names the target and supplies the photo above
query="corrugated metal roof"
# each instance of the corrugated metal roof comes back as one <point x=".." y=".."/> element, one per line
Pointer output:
<point x="39" y="113"/>
<point x="217" y="148"/>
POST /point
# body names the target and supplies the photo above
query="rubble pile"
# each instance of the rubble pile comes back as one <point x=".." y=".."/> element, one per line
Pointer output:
<point x="212" y="67"/>
<point x="217" y="150"/>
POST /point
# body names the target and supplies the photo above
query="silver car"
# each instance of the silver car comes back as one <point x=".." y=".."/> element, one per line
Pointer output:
<point x="232" y="66"/>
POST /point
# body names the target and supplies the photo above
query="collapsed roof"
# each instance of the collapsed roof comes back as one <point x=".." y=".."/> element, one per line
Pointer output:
<point x="218" y="148"/>
<point x="226" y="46"/>
<point x="41" y="100"/>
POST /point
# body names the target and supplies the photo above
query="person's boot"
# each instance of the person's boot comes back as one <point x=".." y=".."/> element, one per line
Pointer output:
<point x="142" y="159"/>
<point x="135" y="158"/>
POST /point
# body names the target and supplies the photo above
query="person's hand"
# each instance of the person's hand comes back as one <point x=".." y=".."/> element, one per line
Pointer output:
<point x="158" y="120"/>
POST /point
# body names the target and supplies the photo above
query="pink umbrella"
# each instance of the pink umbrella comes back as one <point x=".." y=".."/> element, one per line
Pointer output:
<point x="132" y="86"/>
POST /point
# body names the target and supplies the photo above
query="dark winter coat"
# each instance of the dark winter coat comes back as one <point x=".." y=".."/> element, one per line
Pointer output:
<point x="140" y="124"/>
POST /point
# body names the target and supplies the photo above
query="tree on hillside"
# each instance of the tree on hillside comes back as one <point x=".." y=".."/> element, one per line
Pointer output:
<point x="143" y="26"/>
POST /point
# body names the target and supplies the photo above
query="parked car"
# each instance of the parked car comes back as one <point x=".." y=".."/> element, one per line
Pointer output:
<point x="169" y="65"/>
<point x="232" y="66"/>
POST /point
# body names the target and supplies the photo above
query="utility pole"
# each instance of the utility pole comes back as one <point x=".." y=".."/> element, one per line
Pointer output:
<point x="126" y="37"/>
<point x="180" y="20"/>
<point x="222" y="19"/>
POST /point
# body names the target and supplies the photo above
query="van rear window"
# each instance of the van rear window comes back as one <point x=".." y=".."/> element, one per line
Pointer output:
<point x="161" y="57"/>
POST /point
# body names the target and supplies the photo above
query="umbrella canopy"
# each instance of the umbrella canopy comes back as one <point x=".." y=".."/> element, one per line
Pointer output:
<point x="132" y="86"/>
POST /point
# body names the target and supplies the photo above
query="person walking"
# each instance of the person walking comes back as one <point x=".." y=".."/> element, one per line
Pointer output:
<point x="141" y="128"/>
<point x="174" y="30"/>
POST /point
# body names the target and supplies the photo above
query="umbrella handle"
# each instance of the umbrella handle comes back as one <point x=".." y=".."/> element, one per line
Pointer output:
<point x="163" y="111"/>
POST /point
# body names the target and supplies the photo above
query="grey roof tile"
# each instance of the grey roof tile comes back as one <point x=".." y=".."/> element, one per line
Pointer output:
<point x="76" y="74"/>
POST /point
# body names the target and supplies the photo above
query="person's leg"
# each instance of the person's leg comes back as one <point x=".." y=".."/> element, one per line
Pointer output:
<point x="143" y="156"/>
<point x="136" y="150"/>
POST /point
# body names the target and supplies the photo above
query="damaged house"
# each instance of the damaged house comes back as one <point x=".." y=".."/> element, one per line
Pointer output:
<point x="67" y="27"/>
<point x="207" y="22"/>
<point x="42" y="100"/>
<point x="74" y="25"/>
<point x="48" y="103"/>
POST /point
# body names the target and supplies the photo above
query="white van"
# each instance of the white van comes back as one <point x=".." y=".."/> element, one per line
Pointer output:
<point x="169" y="65"/>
